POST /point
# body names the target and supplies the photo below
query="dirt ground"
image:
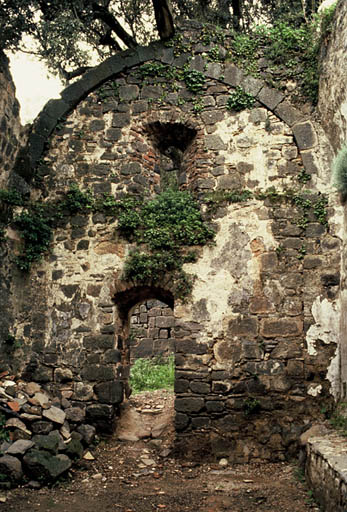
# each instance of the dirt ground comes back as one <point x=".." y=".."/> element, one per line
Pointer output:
<point x="141" y="476"/>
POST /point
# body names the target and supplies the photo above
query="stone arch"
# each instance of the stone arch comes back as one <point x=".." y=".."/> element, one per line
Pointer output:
<point x="227" y="74"/>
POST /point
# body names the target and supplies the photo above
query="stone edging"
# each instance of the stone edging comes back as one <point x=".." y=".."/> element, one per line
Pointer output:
<point x="326" y="471"/>
<point x="272" y="99"/>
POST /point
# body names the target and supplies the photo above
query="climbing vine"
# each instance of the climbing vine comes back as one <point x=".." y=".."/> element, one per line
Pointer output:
<point x="162" y="230"/>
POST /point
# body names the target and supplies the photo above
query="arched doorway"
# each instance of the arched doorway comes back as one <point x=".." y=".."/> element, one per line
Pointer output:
<point x="146" y="340"/>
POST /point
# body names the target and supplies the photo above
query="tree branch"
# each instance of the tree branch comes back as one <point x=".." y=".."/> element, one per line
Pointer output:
<point x="163" y="18"/>
<point x="102" y="14"/>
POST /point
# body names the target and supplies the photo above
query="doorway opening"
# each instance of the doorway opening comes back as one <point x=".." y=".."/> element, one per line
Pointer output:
<point x="149" y="346"/>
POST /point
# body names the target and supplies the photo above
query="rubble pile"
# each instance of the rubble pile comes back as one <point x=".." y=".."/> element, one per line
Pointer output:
<point x="40" y="435"/>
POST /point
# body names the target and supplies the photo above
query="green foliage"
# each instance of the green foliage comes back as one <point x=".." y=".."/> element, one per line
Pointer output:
<point x="306" y="202"/>
<point x="194" y="80"/>
<point x="152" y="374"/>
<point x="77" y="201"/>
<point x="240" y="100"/>
<point x="296" y="45"/>
<point x="304" y="177"/>
<point x="339" y="173"/>
<point x="251" y="406"/>
<point x="166" y="224"/>
<point x="11" y="197"/>
<point x="170" y="220"/>
<point x="35" y="227"/>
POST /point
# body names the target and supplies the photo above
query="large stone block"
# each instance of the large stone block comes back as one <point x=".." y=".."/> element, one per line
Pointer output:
<point x="109" y="392"/>
<point x="98" y="342"/>
<point x="165" y="321"/>
<point x="11" y="467"/>
<point x="281" y="327"/>
<point x="233" y="75"/>
<point x="270" y="97"/>
<point x="96" y="372"/>
<point x="246" y="326"/>
<point x="305" y="135"/>
<point x="189" y="405"/>
<point x="42" y="465"/>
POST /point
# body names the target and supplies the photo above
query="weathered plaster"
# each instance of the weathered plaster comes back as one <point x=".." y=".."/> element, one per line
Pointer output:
<point x="326" y="328"/>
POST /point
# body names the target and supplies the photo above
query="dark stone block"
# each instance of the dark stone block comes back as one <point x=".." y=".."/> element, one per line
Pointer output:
<point x="305" y="135"/>
<point x="75" y="92"/>
<point x="243" y="327"/>
<point x="189" y="405"/>
<point x="220" y="387"/>
<point x="44" y="125"/>
<point x="44" y="466"/>
<point x="201" y="422"/>
<point x="270" y="97"/>
<point x="109" y="392"/>
<point x="96" y="125"/>
<point x="69" y="290"/>
<point x="100" y="411"/>
<point x="48" y="442"/>
<point x="57" y="274"/>
<point x="112" y="356"/>
<point x="181" y="421"/>
<point x="87" y="432"/>
<point x="151" y="91"/>
<point x="131" y="169"/>
<point x="252" y="85"/>
<point x="233" y="75"/>
<point x="113" y="134"/>
<point x="287" y="113"/>
<point x="98" y="342"/>
<point x="55" y="109"/>
<point x="188" y="346"/>
<point x="95" y="372"/>
<point x="181" y="385"/>
<point x="308" y="162"/>
<point x="202" y="388"/>
<point x="315" y="230"/>
<point x="36" y="146"/>
<point x="120" y="120"/>
<point x="11" y="467"/>
<point x="215" y="406"/>
<point x="129" y="92"/>
<point x="74" y="449"/>
<point x="82" y="245"/>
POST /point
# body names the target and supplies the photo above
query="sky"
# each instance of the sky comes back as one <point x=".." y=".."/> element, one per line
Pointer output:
<point x="33" y="86"/>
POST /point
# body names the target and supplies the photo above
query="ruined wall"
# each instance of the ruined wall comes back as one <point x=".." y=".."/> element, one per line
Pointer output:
<point x="11" y="138"/>
<point x="332" y="84"/>
<point x="10" y="126"/>
<point x="255" y="357"/>
<point x="150" y="331"/>
<point x="333" y="111"/>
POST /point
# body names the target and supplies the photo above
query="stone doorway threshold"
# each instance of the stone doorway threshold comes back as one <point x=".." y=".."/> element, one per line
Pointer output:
<point x="148" y="416"/>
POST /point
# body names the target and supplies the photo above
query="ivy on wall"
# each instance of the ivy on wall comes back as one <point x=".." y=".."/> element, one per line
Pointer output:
<point x="161" y="229"/>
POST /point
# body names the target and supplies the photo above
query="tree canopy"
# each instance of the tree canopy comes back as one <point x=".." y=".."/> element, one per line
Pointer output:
<point x="68" y="34"/>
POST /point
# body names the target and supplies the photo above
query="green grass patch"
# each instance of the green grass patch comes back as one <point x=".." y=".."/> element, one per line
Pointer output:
<point x="152" y="374"/>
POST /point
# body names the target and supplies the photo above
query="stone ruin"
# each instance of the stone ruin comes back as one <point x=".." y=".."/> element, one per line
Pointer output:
<point x="259" y="351"/>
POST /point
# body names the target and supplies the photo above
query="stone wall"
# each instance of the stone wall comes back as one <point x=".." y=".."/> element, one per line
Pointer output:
<point x="11" y="138"/>
<point x="332" y="84"/>
<point x="256" y="355"/>
<point x="326" y="471"/>
<point x="333" y="111"/>
<point x="10" y="126"/>
<point x="150" y="331"/>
